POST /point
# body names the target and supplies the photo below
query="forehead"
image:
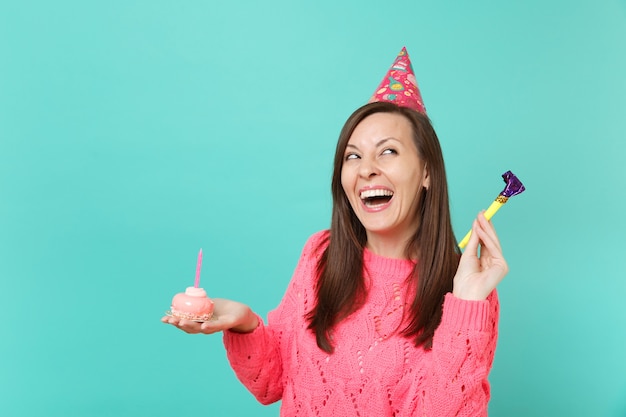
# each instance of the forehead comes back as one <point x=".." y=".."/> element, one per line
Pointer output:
<point x="379" y="126"/>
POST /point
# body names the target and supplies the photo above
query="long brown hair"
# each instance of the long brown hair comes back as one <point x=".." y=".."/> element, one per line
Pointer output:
<point x="341" y="287"/>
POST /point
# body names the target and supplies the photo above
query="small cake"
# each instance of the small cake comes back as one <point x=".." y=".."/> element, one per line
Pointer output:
<point x="193" y="304"/>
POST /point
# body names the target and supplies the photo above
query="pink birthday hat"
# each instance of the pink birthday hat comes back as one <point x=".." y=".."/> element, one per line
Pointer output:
<point x="400" y="86"/>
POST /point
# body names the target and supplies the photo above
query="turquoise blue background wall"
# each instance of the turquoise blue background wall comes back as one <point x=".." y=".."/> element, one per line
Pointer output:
<point x="133" y="133"/>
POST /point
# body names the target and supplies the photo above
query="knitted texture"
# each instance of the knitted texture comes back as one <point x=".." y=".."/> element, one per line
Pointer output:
<point x="374" y="371"/>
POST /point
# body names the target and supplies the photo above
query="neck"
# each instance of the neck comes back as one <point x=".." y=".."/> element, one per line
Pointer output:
<point x="387" y="246"/>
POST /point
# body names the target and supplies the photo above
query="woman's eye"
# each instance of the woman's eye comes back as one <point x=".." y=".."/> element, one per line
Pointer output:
<point x="389" y="152"/>
<point x="351" y="156"/>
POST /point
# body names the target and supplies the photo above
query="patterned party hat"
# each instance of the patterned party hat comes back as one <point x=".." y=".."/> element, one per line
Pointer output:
<point x="400" y="86"/>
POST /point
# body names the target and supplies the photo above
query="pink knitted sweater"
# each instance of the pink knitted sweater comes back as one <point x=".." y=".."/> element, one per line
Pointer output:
<point x="374" y="371"/>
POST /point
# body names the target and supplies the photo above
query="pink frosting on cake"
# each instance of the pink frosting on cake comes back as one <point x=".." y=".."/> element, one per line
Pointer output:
<point x="193" y="304"/>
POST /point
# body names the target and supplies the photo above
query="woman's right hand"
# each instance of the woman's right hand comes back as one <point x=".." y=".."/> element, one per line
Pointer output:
<point x="227" y="315"/>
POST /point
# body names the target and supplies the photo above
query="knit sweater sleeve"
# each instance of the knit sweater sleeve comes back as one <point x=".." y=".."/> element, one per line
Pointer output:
<point x="258" y="357"/>
<point x="461" y="358"/>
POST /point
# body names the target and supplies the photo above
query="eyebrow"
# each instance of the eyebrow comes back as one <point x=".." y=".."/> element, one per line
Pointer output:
<point x="379" y="143"/>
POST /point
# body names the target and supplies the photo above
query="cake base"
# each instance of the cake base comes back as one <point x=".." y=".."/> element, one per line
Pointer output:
<point x="190" y="317"/>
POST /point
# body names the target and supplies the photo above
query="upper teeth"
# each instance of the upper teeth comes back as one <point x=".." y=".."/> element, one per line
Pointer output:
<point x="376" y="193"/>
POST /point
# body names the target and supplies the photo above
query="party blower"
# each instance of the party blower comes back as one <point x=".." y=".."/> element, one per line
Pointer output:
<point x="513" y="187"/>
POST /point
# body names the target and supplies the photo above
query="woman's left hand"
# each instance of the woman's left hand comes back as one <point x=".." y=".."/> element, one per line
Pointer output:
<point x="478" y="275"/>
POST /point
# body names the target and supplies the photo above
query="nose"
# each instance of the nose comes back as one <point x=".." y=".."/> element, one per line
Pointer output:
<point x="368" y="168"/>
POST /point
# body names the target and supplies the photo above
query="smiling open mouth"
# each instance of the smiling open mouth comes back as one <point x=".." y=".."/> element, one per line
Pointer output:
<point x="378" y="197"/>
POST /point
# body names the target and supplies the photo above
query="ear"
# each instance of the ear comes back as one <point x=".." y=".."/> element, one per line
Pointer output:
<point x="425" y="178"/>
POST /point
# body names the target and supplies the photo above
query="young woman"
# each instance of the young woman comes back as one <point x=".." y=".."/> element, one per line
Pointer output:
<point x="383" y="316"/>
